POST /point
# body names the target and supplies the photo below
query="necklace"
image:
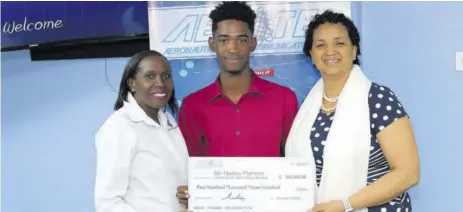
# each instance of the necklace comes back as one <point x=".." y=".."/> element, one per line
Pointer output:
<point x="329" y="99"/>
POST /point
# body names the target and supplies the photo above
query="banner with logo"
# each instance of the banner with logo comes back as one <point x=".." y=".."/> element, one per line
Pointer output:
<point x="180" y="31"/>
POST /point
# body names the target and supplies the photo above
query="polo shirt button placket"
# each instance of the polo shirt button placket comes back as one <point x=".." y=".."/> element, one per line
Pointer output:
<point x="238" y="132"/>
<point x="238" y="118"/>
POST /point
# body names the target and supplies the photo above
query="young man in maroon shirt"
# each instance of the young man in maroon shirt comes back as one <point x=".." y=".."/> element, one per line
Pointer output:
<point x="240" y="114"/>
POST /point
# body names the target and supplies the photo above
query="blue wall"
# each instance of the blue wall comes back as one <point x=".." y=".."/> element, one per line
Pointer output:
<point x="51" y="110"/>
<point x="410" y="46"/>
<point x="50" y="113"/>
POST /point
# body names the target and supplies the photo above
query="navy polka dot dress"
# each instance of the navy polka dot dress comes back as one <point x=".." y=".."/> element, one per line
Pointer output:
<point x="385" y="108"/>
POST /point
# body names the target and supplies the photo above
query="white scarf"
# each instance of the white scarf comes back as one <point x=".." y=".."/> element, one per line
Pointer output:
<point x="347" y="148"/>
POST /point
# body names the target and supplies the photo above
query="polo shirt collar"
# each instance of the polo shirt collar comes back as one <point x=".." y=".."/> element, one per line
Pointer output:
<point x="257" y="87"/>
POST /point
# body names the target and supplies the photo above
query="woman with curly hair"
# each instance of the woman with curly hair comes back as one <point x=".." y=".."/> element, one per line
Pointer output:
<point x="357" y="131"/>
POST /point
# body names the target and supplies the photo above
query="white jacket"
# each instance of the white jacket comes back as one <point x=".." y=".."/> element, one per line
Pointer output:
<point x="139" y="163"/>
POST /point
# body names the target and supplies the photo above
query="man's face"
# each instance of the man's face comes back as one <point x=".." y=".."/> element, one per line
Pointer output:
<point x="233" y="44"/>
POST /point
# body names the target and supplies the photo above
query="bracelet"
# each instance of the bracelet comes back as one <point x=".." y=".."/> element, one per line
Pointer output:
<point x="347" y="206"/>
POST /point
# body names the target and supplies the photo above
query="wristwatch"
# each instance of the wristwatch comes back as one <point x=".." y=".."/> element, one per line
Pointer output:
<point x="347" y="205"/>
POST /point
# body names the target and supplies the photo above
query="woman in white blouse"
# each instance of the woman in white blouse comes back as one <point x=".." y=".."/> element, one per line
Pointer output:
<point x="141" y="154"/>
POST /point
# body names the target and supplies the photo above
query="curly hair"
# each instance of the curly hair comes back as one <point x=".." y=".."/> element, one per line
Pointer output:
<point x="233" y="10"/>
<point x="334" y="18"/>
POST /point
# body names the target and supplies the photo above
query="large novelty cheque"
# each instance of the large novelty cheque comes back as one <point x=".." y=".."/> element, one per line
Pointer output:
<point x="250" y="184"/>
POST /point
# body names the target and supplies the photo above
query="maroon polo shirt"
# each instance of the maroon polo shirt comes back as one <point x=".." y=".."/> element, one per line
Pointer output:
<point x="257" y="126"/>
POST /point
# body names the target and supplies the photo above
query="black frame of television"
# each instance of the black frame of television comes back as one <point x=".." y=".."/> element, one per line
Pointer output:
<point x="86" y="48"/>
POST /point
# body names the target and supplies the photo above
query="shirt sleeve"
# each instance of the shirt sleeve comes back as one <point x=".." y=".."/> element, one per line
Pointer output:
<point x="289" y="114"/>
<point x="188" y="124"/>
<point x="115" y="145"/>
<point x="385" y="108"/>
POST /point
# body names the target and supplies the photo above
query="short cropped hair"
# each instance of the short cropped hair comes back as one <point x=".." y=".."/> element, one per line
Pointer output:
<point x="233" y="10"/>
